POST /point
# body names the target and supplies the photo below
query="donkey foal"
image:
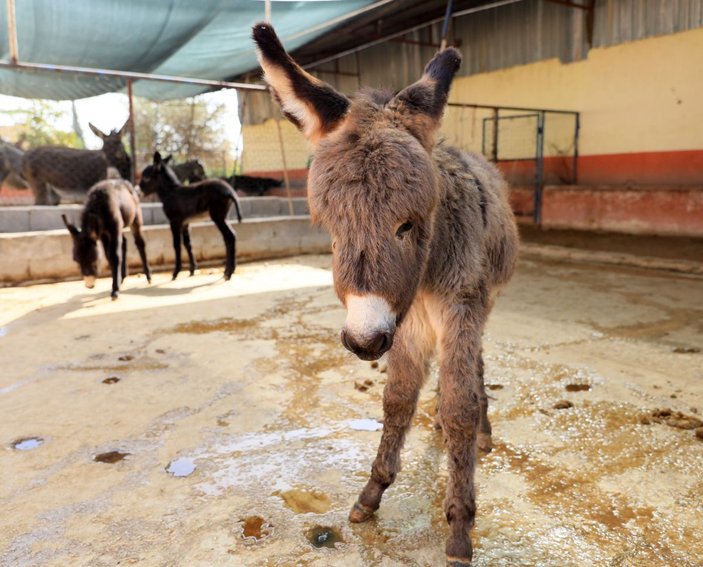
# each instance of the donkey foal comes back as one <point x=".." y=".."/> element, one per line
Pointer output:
<point x="110" y="206"/>
<point x="422" y="239"/>
<point x="184" y="203"/>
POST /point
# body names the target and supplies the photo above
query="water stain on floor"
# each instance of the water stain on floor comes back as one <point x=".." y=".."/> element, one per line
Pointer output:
<point x="323" y="536"/>
<point x="255" y="528"/>
<point x="304" y="501"/>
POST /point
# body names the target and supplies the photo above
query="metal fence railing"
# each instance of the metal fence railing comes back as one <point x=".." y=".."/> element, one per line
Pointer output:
<point x="533" y="147"/>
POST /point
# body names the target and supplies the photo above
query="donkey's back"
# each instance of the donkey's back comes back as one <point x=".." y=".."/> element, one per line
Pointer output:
<point x="65" y="168"/>
<point x="476" y="240"/>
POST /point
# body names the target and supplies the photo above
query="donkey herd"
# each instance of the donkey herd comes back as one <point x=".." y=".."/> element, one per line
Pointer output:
<point x="422" y="240"/>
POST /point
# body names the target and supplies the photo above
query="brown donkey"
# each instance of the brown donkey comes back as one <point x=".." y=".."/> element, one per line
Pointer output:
<point x="423" y="237"/>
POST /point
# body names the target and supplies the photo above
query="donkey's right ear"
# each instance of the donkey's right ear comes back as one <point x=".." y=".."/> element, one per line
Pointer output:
<point x="70" y="226"/>
<point x="99" y="133"/>
<point x="167" y="159"/>
<point x="311" y="104"/>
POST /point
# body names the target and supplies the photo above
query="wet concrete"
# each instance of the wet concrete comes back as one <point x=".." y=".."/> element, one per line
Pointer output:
<point x="246" y="382"/>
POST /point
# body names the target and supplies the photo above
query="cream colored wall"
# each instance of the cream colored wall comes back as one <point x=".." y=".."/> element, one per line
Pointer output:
<point x="262" y="151"/>
<point x="642" y="96"/>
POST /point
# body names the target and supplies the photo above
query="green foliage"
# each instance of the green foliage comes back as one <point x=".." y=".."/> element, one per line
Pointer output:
<point x="40" y="127"/>
<point x="187" y="129"/>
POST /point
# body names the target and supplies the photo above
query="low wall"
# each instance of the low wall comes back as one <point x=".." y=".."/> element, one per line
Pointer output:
<point x="663" y="211"/>
<point x="35" y="256"/>
<point x="36" y="218"/>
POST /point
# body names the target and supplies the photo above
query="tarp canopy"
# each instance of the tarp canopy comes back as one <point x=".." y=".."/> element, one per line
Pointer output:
<point x="206" y="39"/>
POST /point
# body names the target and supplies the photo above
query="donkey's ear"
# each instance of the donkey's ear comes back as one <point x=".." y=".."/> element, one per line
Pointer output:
<point x="70" y="226"/>
<point x="167" y="159"/>
<point x="122" y="131"/>
<point x="157" y="158"/>
<point x="420" y="106"/>
<point x="99" y="133"/>
<point x="312" y="105"/>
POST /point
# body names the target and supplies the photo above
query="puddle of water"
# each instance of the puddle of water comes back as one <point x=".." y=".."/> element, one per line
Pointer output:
<point x="181" y="467"/>
<point x="364" y="425"/>
<point x="255" y="528"/>
<point x="305" y="501"/>
<point x="323" y="536"/>
<point x="111" y="380"/>
<point x="27" y="443"/>
<point x="577" y="387"/>
<point x="110" y="457"/>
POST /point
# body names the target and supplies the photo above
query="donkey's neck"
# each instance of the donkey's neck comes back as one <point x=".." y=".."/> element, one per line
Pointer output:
<point x="91" y="223"/>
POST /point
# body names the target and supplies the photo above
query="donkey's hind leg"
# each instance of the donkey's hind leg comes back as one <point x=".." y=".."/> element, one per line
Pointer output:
<point x="124" y="258"/>
<point x="407" y="370"/>
<point x="219" y="217"/>
<point x="192" y="265"/>
<point x="483" y="438"/>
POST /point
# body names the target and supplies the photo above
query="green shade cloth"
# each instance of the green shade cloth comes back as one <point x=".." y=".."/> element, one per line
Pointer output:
<point x="205" y="39"/>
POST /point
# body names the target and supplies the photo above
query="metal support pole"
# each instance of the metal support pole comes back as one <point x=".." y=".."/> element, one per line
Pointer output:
<point x="132" y="136"/>
<point x="267" y="11"/>
<point x="445" y="25"/>
<point x="12" y="31"/>
<point x="285" y="167"/>
<point x="539" y="174"/>
<point x="494" y="149"/>
<point x="577" y="128"/>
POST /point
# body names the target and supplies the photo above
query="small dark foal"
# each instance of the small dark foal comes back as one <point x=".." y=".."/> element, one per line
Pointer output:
<point x="183" y="203"/>
<point x="110" y="206"/>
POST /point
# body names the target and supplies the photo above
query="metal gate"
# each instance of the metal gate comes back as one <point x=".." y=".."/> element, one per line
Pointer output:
<point x="532" y="147"/>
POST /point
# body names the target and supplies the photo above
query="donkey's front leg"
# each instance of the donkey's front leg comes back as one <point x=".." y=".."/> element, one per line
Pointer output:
<point x="407" y="369"/>
<point x="459" y="409"/>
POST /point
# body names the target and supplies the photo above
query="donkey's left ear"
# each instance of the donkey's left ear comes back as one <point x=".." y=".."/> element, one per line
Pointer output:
<point x="420" y="106"/>
<point x="312" y="105"/>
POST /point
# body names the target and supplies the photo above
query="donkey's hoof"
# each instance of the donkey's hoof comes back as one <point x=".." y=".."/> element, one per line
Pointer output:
<point x="484" y="442"/>
<point x="114" y="296"/>
<point x="174" y="276"/>
<point x="360" y="513"/>
<point x="228" y="276"/>
<point x="456" y="562"/>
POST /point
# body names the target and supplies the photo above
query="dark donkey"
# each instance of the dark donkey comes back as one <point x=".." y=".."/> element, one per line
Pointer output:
<point x="55" y="170"/>
<point x="110" y="206"/>
<point x="182" y="204"/>
<point x="423" y="237"/>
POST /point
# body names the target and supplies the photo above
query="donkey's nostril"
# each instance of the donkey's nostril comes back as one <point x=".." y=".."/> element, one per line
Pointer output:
<point x="370" y="349"/>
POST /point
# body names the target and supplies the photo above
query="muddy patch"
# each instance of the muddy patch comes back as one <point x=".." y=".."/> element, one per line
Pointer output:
<point x="305" y="501"/>
<point x="27" y="443"/>
<point x="181" y="467"/>
<point x="577" y="387"/>
<point x="671" y="418"/>
<point x="111" y="380"/>
<point x="323" y="536"/>
<point x="255" y="528"/>
<point x="111" y="457"/>
<point x="494" y="386"/>
<point x="563" y="404"/>
<point x="226" y="325"/>
<point x="125" y="358"/>
<point x="363" y="386"/>
<point x="686" y="350"/>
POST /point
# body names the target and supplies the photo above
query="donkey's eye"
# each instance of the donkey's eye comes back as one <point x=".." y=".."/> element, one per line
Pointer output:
<point x="403" y="228"/>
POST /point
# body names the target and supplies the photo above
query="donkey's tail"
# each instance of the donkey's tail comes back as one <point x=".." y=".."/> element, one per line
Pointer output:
<point x="235" y="199"/>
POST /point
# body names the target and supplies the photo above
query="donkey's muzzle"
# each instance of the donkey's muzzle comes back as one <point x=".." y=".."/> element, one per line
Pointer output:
<point x="368" y="348"/>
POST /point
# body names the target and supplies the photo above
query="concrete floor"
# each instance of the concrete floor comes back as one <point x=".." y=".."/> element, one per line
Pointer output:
<point x="246" y="382"/>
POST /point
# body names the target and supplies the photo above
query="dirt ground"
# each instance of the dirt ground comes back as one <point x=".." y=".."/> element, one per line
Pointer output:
<point x="203" y="423"/>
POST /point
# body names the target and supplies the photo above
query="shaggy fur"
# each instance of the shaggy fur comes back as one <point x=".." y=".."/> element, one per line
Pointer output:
<point x="428" y="229"/>
<point x="110" y="207"/>
<point x="50" y="168"/>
